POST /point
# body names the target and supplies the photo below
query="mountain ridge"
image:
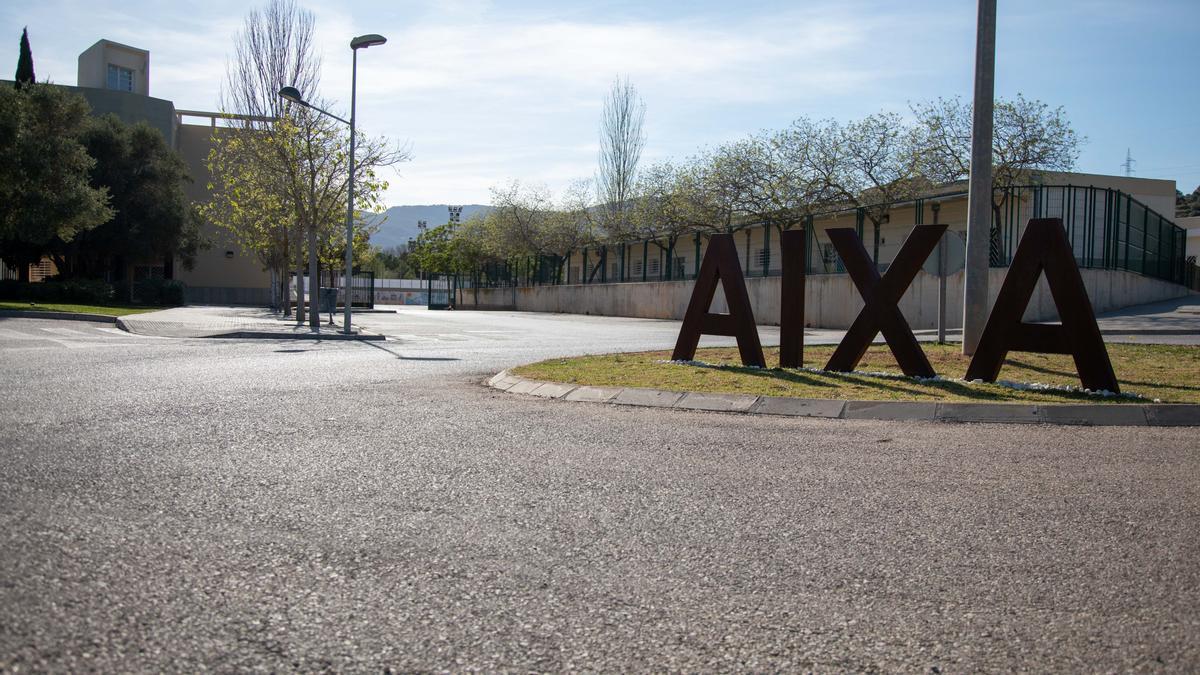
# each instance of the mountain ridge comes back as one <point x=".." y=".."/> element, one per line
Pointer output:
<point x="399" y="223"/>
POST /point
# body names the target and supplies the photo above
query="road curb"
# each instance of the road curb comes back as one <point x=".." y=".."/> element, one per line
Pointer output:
<point x="250" y="334"/>
<point x="58" y="316"/>
<point x="268" y="335"/>
<point x="1108" y="414"/>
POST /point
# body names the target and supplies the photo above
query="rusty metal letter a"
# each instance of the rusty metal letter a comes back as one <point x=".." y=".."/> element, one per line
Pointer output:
<point x="720" y="265"/>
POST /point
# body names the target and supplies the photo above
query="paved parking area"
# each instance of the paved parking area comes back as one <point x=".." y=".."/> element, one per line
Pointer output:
<point x="179" y="504"/>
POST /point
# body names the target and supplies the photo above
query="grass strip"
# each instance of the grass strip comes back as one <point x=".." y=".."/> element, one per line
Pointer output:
<point x="1169" y="373"/>
<point x="106" y="310"/>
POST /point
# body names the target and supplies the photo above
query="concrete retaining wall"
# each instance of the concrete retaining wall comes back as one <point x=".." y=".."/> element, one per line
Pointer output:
<point x="830" y="299"/>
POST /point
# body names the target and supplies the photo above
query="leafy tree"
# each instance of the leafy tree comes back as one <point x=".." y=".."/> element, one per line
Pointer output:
<point x="395" y="262"/>
<point x="45" y="189"/>
<point x="24" y="74"/>
<point x="152" y="217"/>
<point x="248" y="203"/>
<point x="289" y="159"/>
<point x="1187" y="205"/>
<point x="331" y="250"/>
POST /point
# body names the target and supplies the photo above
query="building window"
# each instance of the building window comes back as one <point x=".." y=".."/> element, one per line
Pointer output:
<point x="41" y="270"/>
<point x="655" y="265"/>
<point x="148" y="272"/>
<point x="120" y="78"/>
<point x="680" y="271"/>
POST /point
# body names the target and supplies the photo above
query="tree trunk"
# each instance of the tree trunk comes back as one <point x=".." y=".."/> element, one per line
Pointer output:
<point x="300" y="274"/>
<point x="314" y="282"/>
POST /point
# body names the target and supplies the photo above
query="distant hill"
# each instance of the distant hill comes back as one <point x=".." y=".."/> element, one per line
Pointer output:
<point x="400" y="222"/>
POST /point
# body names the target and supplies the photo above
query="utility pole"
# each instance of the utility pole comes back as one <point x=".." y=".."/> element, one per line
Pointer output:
<point x="941" y="267"/>
<point x="979" y="198"/>
<point x="1128" y="164"/>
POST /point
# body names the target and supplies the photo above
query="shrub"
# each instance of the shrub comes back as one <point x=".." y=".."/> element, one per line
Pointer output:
<point x="166" y="292"/>
<point x="84" y="291"/>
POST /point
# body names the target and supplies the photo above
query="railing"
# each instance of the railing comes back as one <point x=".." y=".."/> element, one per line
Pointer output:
<point x="1107" y="229"/>
<point x="1191" y="274"/>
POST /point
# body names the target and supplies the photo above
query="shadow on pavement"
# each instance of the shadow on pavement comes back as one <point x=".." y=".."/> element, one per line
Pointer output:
<point x="410" y="358"/>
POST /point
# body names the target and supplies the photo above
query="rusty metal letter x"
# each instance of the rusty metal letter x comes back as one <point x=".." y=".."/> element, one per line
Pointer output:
<point x="882" y="295"/>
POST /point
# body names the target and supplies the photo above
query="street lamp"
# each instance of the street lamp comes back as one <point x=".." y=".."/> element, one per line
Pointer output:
<point x="292" y="94"/>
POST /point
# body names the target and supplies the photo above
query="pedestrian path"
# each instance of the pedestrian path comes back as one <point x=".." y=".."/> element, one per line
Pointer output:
<point x="49" y="334"/>
<point x="215" y="321"/>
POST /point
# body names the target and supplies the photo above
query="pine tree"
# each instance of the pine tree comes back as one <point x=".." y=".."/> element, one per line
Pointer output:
<point x="24" y="62"/>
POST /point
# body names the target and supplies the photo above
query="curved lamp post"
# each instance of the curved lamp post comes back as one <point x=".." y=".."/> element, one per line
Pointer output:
<point x="292" y="94"/>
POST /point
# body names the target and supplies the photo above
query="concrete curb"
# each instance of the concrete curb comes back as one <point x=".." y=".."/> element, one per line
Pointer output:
<point x="1101" y="414"/>
<point x="253" y="334"/>
<point x="267" y="335"/>
<point x="59" y="316"/>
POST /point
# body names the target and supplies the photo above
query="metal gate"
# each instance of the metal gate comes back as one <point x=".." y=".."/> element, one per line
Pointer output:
<point x="440" y="288"/>
<point x="362" y="288"/>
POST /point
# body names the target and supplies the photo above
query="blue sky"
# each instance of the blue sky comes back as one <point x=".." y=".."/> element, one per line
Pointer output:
<point x="486" y="92"/>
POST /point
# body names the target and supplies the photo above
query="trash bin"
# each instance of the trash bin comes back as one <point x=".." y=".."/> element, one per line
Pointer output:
<point x="327" y="300"/>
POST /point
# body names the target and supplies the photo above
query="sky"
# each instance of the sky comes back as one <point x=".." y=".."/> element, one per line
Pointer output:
<point x="488" y="92"/>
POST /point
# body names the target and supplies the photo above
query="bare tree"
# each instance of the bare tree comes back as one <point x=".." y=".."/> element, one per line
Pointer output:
<point x="780" y="186"/>
<point x="662" y="212"/>
<point x="274" y="49"/>
<point x="882" y="167"/>
<point x="1029" y="138"/>
<point x="621" y="143"/>
<point x="714" y="188"/>
<point x="527" y="221"/>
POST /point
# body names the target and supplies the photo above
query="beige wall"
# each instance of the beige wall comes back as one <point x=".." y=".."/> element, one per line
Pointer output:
<point x="1156" y="193"/>
<point x="1192" y="225"/>
<point x="830" y="299"/>
<point x="93" y="65"/>
<point x="224" y="265"/>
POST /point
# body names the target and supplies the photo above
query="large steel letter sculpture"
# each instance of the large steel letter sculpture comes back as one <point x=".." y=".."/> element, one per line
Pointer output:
<point x="720" y="265"/>
<point x="1044" y="248"/>
<point x="791" y="300"/>
<point x="882" y="295"/>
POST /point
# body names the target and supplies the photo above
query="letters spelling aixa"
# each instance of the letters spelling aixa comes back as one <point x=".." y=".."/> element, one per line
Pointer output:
<point x="1044" y="247"/>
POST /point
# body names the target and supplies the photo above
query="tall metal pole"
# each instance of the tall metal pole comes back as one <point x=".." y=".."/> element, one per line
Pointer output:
<point x="979" y="199"/>
<point x="350" y="198"/>
<point x="299" y="274"/>
<point x="941" y="263"/>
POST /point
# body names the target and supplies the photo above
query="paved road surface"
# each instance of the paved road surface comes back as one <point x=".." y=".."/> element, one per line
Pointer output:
<point x="173" y="504"/>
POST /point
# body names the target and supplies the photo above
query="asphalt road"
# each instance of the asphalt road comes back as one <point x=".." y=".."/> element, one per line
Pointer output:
<point x="175" y="504"/>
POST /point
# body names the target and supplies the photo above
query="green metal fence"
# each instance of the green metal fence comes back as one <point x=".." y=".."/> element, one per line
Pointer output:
<point x="1107" y="228"/>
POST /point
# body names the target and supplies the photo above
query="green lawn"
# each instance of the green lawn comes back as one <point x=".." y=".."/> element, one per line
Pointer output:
<point x="1169" y="373"/>
<point x="107" y="310"/>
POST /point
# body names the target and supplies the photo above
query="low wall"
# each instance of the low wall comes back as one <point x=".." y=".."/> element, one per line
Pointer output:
<point x="225" y="295"/>
<point x="831" y="300"/>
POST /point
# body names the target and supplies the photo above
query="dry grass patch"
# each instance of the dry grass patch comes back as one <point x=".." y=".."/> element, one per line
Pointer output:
<point x="1169" y="373"/>
<point x="107" y="310"/>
